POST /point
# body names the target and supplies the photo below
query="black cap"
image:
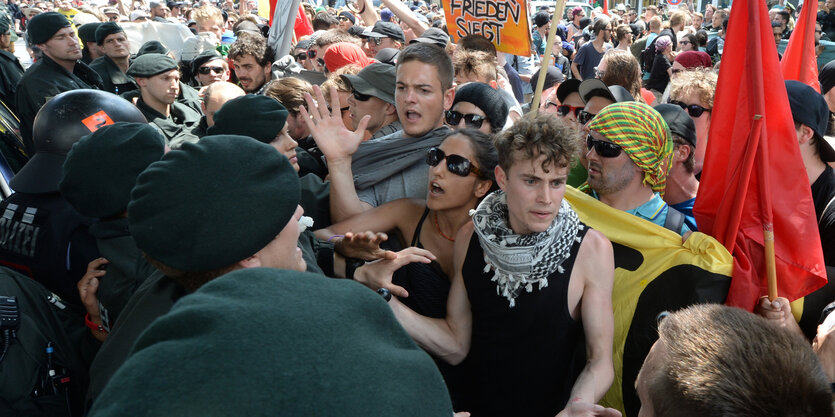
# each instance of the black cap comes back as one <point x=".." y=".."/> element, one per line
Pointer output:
<point x="149" y="65"/>
<point x="552" y="76"/>
<point x="106" y="29"/>
<point x="433" y="35"/>
<point x="41" y="27"/>
<point x="679" y="122"/>
<point x="356" y="31"/>
<point x="388" y="56"/>
<point x="87" y="32"/>
<point x="348" y="15"/>
<point x="571" y="85"/>
<point x="541" y="18"/>
<point x="387" y="30"/>
<point x="593" y="87"/>
<point x="203" y="58"/>
<point x="304" y="44"/>
<point x="810" y="108"/>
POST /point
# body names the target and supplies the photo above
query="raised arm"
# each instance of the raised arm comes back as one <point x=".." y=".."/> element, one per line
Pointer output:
<point x="338" y="144"/>
<point x="447" y="338"/>
<point x="596" y="262"/>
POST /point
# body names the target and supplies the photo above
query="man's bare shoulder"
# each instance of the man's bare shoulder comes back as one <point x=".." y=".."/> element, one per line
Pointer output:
<point x="596" y="254"/>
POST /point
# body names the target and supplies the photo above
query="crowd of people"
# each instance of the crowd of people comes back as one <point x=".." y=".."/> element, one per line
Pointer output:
<point x="200" y="226"/>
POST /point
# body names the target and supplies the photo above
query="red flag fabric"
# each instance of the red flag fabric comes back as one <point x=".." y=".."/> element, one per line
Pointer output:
<point x="605" y="7"/>
<point x="799" y="61"/>
<point x="302" y="27"/>
<point x="753" y="176"/>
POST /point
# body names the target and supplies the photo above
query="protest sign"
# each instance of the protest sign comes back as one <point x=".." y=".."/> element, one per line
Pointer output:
<point x="504" y="22"/>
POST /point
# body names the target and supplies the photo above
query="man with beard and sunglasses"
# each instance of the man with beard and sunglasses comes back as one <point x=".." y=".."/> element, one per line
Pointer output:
<point x="629" y="154"/>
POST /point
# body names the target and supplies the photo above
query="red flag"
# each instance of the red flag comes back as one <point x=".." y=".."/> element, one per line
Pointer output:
<point x="303" y="27"/>
<point x="753" y="176"/>
<point x="799" y="61"/>
<point x="605" y="7"/>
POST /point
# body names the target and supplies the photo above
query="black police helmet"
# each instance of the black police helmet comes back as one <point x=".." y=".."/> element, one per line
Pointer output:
<point x="59" y="124"/>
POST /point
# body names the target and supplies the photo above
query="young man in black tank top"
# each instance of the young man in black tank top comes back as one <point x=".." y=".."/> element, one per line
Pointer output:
<point x="529" y="276"/>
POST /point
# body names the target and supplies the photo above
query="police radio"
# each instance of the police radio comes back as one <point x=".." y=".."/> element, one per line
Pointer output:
<point x="9" y="321"/>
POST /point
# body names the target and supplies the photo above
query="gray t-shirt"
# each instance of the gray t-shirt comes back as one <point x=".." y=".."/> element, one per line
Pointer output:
<point x="393" y="166"/>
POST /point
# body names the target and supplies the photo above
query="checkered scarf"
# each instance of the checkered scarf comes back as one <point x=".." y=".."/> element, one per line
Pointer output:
<point x="643" y="134"/>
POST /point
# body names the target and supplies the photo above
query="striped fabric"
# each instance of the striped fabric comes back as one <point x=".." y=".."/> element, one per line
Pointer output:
<point x="644" y="136"/>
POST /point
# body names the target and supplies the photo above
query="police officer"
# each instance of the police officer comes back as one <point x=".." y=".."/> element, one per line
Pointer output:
<point x="158" y="77"/>
<point x="58" y="70"/>
<point x="10" y="69"/>
<point x="99" y="173"/>
<point x="113" y="65"/>
<point x="87" y="34"/>
<point x="41" y="235"/>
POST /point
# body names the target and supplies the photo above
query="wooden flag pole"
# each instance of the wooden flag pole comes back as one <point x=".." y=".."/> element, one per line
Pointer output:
<point x="546" y="60"/>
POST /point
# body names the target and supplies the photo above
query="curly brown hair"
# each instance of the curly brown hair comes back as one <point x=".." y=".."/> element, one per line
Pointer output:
<point x="533" y="136"/>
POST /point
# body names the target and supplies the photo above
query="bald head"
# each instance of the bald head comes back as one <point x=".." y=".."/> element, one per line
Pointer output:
<point x="215" y="95"/>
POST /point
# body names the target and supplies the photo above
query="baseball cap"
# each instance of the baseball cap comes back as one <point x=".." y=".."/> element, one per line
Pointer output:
<point x="593" y="87"/>
<point x="809" y="108"/>
<point x="387" y="30"/>
<point x="679" y="122"/>
<point x="376" y="80"/>
<point x="433" y="35"/>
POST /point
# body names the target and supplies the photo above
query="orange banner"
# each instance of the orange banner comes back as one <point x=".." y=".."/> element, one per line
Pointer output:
<point x="504" y="22"/>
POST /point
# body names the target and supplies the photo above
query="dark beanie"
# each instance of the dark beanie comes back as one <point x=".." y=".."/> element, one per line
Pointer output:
<point x="41" y="27"/>
<point x="152" y="47"/>
<point x="149" y="65"/>
<point x="102" y="167"/>
<point x="487" y="99"/>
<point x="826" y="76"/>
<point x="106" y="29"/>
<point x="270" y="342"/>
<point x="87" y="32"/>
<point x="256" y="116"/>
<point x="541" y="19"/>
<point x="212" y="203"/>
<point x="204" y="57"/>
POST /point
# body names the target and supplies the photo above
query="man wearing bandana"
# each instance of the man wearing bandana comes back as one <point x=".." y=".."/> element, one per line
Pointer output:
<point x="630" y="153"/>
<point x="530" y="280"/>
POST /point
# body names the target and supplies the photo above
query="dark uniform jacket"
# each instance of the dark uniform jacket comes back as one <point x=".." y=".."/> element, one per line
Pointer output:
<point x="43" y="237"/>
<point x="113" y="79"/>
<point x="10" y="74"/>
<point x="126" y="270"/>
<point x="42" y="81"/>
<point x="188" y="96"/>
<point x="177" y="126"/>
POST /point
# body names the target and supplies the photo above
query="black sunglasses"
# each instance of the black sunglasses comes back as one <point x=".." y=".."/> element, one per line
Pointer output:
<point x="377" y="41"/>
<point x="585" y="117"/>
<point x="456" y="164"/>
<point x="694" y="110"/>
<point x="301" y="57"/>
<point x="471" y="120"/>
<point x="206" y="70"/>
<point x="564" y="109"/>
<point x="311" y="53"/>
<point x="604" y="149"/>
<point x="359" y="96"/>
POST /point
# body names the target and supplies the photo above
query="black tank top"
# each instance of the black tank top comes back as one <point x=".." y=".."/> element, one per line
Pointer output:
<point x="520" y="357"/>
<point x="428" y="288"/>
<point x="427" y="284"/>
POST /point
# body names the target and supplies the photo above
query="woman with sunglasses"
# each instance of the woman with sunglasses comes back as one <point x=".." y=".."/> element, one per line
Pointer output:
<point x="478" y="106"/>
<point x="460" y="174"/>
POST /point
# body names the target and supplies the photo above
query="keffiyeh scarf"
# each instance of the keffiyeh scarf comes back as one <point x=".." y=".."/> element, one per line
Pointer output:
<point x="520" y="261"/>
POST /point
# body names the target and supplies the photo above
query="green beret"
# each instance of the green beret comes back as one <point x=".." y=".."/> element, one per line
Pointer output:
<point x="5" y="24"/>
<point x="41" y="27"/>
<point x="102" y="167"/>
<point x="87" y="32"/>
<point x="152" y="47"/>
<point x="149" y="65"/>
<point x="264" y="118"/>
<point x="212" y="203"/>
<point x="106" y="29"/>
<point x="271" y="342"/>
<point x="204" y="57"/>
